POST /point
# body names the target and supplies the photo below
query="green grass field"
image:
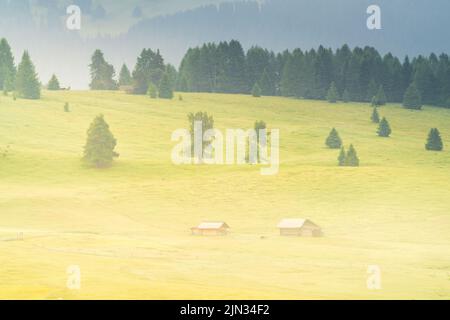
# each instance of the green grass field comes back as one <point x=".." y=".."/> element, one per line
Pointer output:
<point x="128" y="227"/>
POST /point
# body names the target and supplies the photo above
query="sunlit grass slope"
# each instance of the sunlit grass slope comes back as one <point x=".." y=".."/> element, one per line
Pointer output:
<point x="128" y="227"/>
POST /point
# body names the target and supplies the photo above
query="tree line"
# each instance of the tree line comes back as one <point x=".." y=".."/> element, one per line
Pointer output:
<point x="356" y="74"/>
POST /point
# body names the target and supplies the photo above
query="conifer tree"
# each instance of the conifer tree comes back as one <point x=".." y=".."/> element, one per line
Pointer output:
<point x="375" y="118"/>
<point x="102" y="73"/>
<point x="266" y="84"/>
<point x="256" y="91"/>
<point x="342" y="157"/>
<point x="346" y="96"/>
<point x="27" y="83"/>
<point x="352" y="160"/>
<point x="53" y="84"/>
<point x="7" y="67"/>
<point x="374" y="102"/>
<point x="152" y="91"/>
<point x="372" y="90"/>
<point x="332" y="95"/>
<point x="333" y="140"/>
<point x="165" y="87"/>
<point x="66" y="107"/>
<point x="125" y="76"/>
<point x="412" y="98"/>
<point x="434" y="141"/>
<point x="380" y="97"/>
<point x="100" y="144"/>
<point x="384" y="129"/>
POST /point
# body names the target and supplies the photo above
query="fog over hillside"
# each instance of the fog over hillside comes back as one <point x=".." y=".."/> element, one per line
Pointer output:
<point x="121" y="29"/>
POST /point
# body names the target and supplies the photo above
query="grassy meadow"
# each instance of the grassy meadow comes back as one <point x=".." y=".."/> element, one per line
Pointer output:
<point x="128" y="227"/>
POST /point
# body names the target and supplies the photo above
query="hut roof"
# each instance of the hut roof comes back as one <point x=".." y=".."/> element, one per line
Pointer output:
<point x="212" y="225"/>
<point x="294" y="223"/>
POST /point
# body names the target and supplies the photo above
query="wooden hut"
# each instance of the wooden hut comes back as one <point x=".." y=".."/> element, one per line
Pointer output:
<point x="299" y="228"/>
<point x="211" y="229"/>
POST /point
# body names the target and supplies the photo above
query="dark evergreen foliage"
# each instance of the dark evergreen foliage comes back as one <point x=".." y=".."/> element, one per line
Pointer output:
<point x="333" y="140"/>
<point x="7" y="67"/>
<point x="375" y="118"/>
<point x="27" y="84"/>
<point x="102" y="73"/>
<point x="434" y="141"/>
<point x="412" y="98"/>
<point x="99" y="149"/>
<point x="358" y="74"/>
<point x="384" y="129"/>
<point x="53" y="84"/>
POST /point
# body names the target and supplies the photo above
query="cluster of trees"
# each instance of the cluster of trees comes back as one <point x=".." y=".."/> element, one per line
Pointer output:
<point x="23" y="80"/>
<point x="150" y="75"/>
<point x="351" y="75"/>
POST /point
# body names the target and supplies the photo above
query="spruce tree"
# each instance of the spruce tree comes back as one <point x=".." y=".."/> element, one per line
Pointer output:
<point x="374" y="102"/>
<point x="371" y="90"/>
<point x="412" y="98"/>
<point x="346" y="96"/>
<point x="380" y="97"/>
<point x="102" y="73"/>
<point x="7" y="67"/>
<point x="333" y="140"/>
<point x="152" y="91"/>
<point x="375" y="118"/>
<point x="53" y="84"/>
<point x="27" y="83"/>
<point x="332" y="95"/>
<point x="342" y="157"/>
<point x="351" y="160"/>
<point x="434" y="141"/>
<point x="165" y="87"/>
<point x="256" y="91"/>
<point x="384" y="129"/>
<point x="99" y="149"/>
<point x="266" y="84"/>
<point x="125" y="76"/>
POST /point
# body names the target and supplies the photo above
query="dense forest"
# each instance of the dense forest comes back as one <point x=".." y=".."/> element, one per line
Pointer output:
<point x="357" y="74"/>
<point x="350" y="75"/>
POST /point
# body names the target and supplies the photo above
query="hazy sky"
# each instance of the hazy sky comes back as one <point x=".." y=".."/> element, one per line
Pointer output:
<point x="123" y="28"/>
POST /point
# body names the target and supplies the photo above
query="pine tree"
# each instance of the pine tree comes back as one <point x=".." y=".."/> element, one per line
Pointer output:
<point x="381" y="97"/>
<point x="266" y="84"/>
<point x="53" y="84"/>
<point x="345" y="96"/>
<point x="27" y="83"/>
<point x="375" y="116"/>
<point x="256" y="91"/>
<point x="342" y="157"/>
<point x="152" y="91"/>
<point x="371" y="90"/>
<point x="374" y="102"/>
<point x="412" y="98"/>
<point x="102" y="73"/>
<point x="165" y="87"/>
<point x="351" y="160"/>
<point x="100" y="144"/>
<point x="125" y="76"/>
<point x="7" y="67"/>
<point x="149" y="68"/>
<point x="332" y="95"/>
<point x="434" y="141"/>
<point x="384" y="130"/>
<point x="333" y="140"/>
